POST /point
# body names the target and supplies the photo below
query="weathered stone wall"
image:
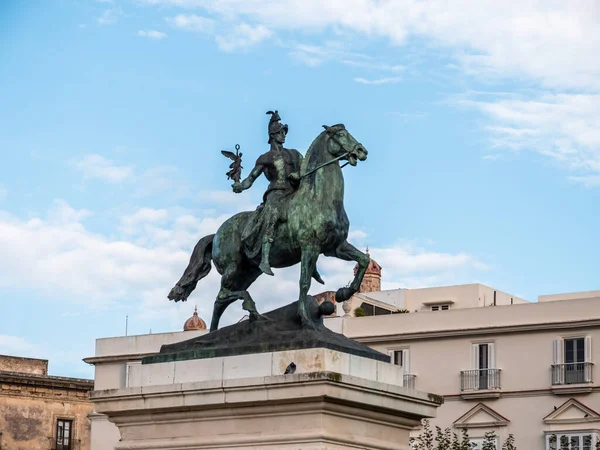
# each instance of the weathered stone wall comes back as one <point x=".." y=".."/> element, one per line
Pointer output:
<point x="371" y="283"/>
<point x="23" y="365"/>
<point x="28" y="415"/>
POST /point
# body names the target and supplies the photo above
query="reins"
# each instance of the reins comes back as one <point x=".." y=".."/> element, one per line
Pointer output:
<point x="337" y="158"/>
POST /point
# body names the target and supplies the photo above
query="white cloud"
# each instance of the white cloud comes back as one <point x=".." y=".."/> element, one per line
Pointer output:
<point x="589" y="181"/>
<point x="66" y="357"/>
<point x="374" y="65"/>
<point x="315" y="55"/>
<point x="357" y="235"/>
<point x="548" y="44"/>
<point x="110" y="16"/>
<point x="229" y="201"/>
<point x="309" y="55"/>
<point x="243" y="36"/>
<point x="141" y="217"/>
<point x="14" y="345"/>
<point x="378" y="80"/>
<point x="192" y="22"/>
<point x="152" y="34"/>
<point x="160" y="180"/>
<point x="562" y="127"/>
<point x="97" y="166"/>
<point x="554" y="42"/>
<point x="59" y="257"/>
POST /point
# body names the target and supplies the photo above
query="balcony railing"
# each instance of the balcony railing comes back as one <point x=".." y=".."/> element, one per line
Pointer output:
<point x="409" y="380"/>
<point x="572" y="373"/>
<point x="479" y="379"/>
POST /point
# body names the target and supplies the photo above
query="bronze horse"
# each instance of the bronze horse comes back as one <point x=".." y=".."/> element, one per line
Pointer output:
<point x="316" y="223"/>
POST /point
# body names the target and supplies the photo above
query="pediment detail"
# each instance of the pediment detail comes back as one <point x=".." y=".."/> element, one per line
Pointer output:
<point x="572" y="411"/>
<point x="481" y="416"/>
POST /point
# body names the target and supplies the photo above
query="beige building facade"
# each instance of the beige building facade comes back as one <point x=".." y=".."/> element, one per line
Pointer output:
<point x="525" y="369"/>
<point x="501" y="363"/>
<point x="113" y="360"/>
<point x="42" y="412"/>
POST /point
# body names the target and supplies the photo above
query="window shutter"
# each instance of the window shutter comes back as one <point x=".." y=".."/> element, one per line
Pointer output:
<point x="558" y="372"/>
<point x="588" y="349"/>
<point x="406" y="360"/>
<point x="475" y="356"/>
<point x="558" y="350"/>
<point x="391" y="355"/>
<point x="492" y="355"/>
<point x="475" y="363"/>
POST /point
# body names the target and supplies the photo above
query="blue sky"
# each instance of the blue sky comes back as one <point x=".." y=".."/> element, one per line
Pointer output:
<point x="482" y="122"/>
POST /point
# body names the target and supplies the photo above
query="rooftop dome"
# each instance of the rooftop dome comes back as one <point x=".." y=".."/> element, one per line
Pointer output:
<point x="373" y="268"/>
<point x="372" y="280"/>
<point x="194" y="322"/>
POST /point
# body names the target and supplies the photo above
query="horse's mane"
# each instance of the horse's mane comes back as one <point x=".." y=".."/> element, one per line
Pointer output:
<point x="316" y="146"/>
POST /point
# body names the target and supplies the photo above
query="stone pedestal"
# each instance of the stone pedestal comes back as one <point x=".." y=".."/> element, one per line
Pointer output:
<point x="333" y="400"/>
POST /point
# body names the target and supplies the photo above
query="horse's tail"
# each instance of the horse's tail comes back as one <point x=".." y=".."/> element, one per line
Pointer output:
<point x="197" y="269"/>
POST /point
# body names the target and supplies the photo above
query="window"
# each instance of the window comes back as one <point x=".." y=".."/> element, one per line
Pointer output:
<point x="572" y="441"/>
<point x="483" y="374"/>
<point x="572" y="360"/>
<point x="372" y="310"/>
<point x="401" y="358"/>
<point x="574" y="350"/>
<point x="64" y="433"/>
<point x="477" y="443"/>
<point x="440" y="307"/>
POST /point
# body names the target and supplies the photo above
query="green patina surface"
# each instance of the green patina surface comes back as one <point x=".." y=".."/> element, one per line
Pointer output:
<point x="279" y="331"/>
<point x="302" y="216"/>
<point x="436" y="398"/>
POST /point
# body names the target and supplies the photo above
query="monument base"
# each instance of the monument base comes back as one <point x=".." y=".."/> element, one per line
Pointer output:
<point x="332" y="401"/>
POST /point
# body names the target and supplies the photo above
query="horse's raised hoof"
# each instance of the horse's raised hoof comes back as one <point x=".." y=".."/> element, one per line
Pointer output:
<point x="326" y="309"/>
<point x="266" y="269"/>
<point x="317" y="277"/>
<point x="343" y="294"/>
<point x="177" y="294"/>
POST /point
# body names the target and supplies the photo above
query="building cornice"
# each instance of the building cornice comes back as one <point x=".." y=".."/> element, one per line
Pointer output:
<point x="23" y="379"/>
<point x="504" y="329"/>
<point x="518" y="394"/>
<point x="116" y="358"/>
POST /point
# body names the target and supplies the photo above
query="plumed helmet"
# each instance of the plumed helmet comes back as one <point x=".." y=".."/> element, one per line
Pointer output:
<point x="275" y="126"/>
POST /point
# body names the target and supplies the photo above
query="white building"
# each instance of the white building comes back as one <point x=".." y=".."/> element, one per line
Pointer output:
<point x="500" y="362"/>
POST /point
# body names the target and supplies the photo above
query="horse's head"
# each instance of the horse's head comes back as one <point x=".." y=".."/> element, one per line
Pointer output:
<point x="341" y="142"/>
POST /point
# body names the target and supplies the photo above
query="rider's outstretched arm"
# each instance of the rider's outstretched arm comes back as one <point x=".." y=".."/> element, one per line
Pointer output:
<point x="249" y="180"/>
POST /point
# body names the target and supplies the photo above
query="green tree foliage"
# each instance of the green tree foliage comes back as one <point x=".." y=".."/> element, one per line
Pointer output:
<point x="509" y="444"/>
<point x="359" y="312"/>
<point x="447" y="440"/>
<point x="489" y="441"/>
<point x="425" y="441"/>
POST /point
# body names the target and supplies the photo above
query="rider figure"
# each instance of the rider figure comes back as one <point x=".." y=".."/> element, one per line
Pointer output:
<point x="281" y="167"/>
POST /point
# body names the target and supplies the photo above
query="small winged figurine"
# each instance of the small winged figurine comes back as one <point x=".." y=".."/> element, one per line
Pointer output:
<point x="235" y="173"/>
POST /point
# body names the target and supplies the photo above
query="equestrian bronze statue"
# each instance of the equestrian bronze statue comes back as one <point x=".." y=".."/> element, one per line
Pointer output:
<point x="302" y="216"/>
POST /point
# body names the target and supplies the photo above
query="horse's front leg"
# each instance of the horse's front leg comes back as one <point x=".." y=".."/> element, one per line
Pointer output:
<point x="308" y="265"/>
<point x="349" y="252"/>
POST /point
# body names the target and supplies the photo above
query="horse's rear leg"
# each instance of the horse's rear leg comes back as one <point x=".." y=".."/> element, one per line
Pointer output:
<point x="307" y="269"/>
<point x="233" y="287"/>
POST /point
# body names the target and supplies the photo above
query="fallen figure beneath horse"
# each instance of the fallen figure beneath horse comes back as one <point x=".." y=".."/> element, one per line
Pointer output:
<point x="315" y="224"/>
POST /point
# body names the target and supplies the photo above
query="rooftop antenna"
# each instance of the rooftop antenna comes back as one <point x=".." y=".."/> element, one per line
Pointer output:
<point x="126" y="323"/>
